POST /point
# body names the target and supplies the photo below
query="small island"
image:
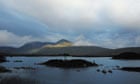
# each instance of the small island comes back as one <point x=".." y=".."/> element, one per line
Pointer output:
<point x="132" y="69"/>
<point x="75" y="63"/>
<point x="127" y="55"/>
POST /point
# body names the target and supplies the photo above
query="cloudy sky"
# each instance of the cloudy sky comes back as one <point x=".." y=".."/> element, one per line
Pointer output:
<point x="106" y="23"/>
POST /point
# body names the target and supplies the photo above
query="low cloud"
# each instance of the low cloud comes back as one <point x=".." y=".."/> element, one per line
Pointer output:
<point x="82" y="41"/>
<point x="11" y="39"/>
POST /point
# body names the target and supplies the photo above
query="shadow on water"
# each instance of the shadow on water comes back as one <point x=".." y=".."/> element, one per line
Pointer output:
<point x="17" y="80"/>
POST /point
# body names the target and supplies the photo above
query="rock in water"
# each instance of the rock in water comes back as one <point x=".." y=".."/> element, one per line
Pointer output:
<point x="2" y="59"/>
<point x="3" y="69"/>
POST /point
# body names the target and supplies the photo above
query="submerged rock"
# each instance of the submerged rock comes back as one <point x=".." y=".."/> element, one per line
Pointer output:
<point x="104" y="71"/>
<point x="110" y="71"/>
<point x="98" y="70"/>
<point x="18" y="61"/>
<point x="25" y="68"/>
<point x="69" y="63"/>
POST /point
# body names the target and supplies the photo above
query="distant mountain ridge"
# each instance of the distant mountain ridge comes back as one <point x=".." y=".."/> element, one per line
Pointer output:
<point x="61" y="43"/>
<point x="34" y="45"/>
<point x="26" y="48"/>
<point x="63" y="47"/>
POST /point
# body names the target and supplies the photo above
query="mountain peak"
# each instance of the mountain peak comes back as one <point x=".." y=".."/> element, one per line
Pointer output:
<point x="63" y="41"/>
<point x="60" y="43"/>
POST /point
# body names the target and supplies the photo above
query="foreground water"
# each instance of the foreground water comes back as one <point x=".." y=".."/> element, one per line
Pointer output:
<point x="31" y="73"/>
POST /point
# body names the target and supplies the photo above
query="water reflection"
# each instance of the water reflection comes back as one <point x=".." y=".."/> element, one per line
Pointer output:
<point x="17" y="80"/>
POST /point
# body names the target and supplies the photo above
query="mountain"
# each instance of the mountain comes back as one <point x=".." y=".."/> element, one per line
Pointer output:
<point x="62" y="47"/>
<point x="5" y="50"/>
<point x="75" y="51"/>
<point x="61" y="43"/>
<point x="35" y="45"/>
<point x="31" y="47"/>
<point x="129" y="49"/>
<point x="127" y="55"/>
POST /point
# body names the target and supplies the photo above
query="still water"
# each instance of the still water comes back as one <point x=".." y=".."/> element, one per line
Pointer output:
<point x="39" y="74"/>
